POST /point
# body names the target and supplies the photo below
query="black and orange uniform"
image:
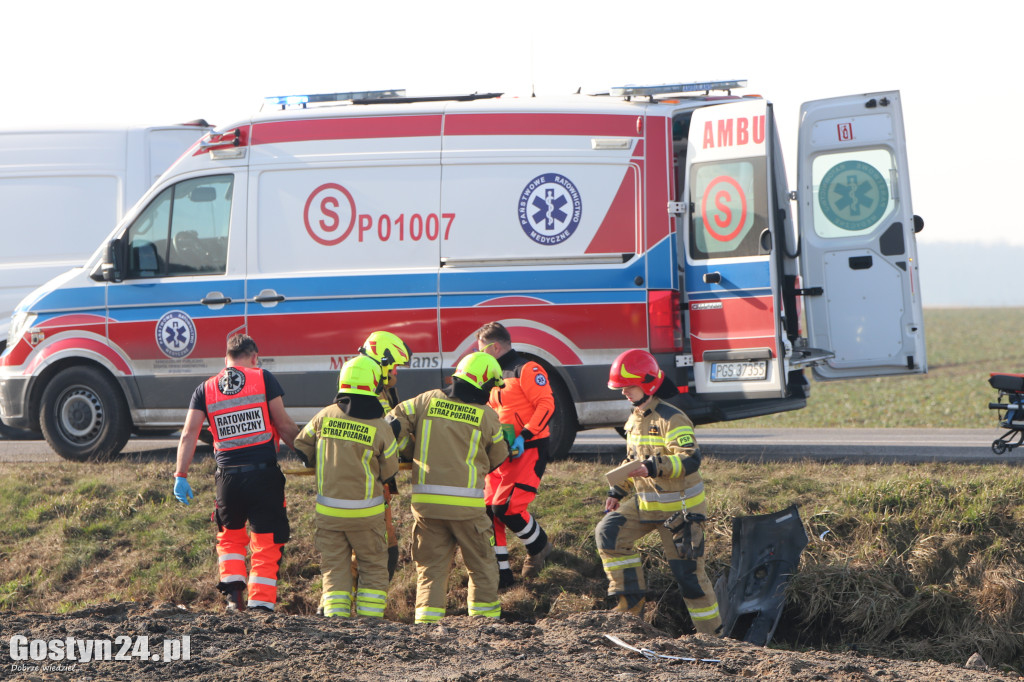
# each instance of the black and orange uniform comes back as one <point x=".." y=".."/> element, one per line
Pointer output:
<point x="525" y="402"/>
<point x="250" y="485"/>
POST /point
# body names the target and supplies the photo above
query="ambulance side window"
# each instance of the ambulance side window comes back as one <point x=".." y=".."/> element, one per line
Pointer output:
<point x="730" y="208"/>
<point x="183" y="231"/>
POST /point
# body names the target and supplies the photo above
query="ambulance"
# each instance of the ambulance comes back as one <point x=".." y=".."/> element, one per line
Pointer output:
<point x="654" y="217"/>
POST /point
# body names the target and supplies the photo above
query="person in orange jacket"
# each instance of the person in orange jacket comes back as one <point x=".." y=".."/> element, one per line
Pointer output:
<point x="525" y="402"/>
<point x="245" y="408"/>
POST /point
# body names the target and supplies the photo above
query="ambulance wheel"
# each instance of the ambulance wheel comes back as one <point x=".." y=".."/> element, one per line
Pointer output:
<point x="83" y="415"/>
<point x="563" y="424"/>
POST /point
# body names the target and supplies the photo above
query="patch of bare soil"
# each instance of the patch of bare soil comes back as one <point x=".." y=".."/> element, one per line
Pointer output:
<point x="254" y="645"/>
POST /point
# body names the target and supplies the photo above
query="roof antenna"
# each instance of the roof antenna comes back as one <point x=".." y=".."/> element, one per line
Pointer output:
<point x="533" y="84"/>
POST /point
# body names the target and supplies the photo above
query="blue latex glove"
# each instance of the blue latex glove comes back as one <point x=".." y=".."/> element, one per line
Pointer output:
<point x="182" y="490"/>
<point x="517" y="448"/>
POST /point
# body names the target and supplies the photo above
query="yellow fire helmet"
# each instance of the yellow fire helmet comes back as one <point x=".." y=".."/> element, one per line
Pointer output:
<point x="480" y="369"/>
<point x="387" y="349"/>
<point x="361" y="375"/>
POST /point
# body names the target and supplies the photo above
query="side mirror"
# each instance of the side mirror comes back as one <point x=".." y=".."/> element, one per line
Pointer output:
<point x="112" y="267"/>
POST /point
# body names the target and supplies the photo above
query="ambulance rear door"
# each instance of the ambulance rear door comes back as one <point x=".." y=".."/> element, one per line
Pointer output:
<point x="731" y="273"/>
<point x="858" y="263"/>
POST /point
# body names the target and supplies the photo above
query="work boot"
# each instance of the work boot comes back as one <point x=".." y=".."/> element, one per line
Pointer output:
<point x="630" y="604"/>
<point x="535" y="562"/>
<point x="506" y="578"/>
<point x="235" y="594"/>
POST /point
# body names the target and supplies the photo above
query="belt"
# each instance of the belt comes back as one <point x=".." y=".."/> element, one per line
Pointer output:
<point x="243" y="468"/>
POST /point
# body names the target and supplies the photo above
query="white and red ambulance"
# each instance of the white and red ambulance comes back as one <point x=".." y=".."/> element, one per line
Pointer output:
<point x="646" y="217"/>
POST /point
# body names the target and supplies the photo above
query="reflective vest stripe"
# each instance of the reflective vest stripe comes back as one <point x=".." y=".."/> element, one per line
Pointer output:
<point x="365" y="460"/>
<point x="424" y="450"/>
<point x="487" y="609"/>
<point x="694" y="495"/>
<point x="621" y="563"/>
<point x="349" y="504"/>
<point x="228" y="403"/>
<point x="708" y="613"/>
<point x="428" y="614"/>
<point x="474" y="446"/>
<point x="448" y="490"/>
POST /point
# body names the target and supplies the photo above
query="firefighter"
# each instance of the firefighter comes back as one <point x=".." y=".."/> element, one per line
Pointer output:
<point x="665" y="482"/>
<point x="245" y="409"/>
<point x="525" y="402"/>
<point x="458" y="442"/>
<point x="390" y="352"/>
<point x="355" y="455"/>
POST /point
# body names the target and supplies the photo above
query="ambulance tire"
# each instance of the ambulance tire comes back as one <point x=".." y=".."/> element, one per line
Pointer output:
<point x="83" y="414"/>
<point x="563" y="424"/>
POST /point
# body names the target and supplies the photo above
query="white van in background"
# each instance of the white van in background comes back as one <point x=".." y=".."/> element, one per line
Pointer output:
<point x="62" y="191"/>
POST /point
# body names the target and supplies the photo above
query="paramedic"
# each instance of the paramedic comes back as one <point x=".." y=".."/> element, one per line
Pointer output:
<point x="525" y="402"/>
<point x="245" y="409"/>
<point x="458" y="442"/>
<point x="659" y="438"/>
<point x="354" y="452"/>
<point x="390" y="352"/>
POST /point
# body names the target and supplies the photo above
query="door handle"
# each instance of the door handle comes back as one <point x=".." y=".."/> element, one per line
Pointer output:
<point x="860" y="262"/>
<point x="268" y="296"/>
<point x="712" y="278"/>
<point x="215" y="299"/>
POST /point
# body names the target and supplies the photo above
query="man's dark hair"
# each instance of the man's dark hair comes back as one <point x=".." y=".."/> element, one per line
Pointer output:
<point x="240" y="346"/>
<point x="494" y="331"/>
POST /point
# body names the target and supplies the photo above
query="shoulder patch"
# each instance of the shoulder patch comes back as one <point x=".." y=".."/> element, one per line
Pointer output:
<point x="540" y="379"/>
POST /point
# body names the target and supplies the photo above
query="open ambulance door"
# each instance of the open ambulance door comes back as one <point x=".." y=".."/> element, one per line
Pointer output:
<point x="858" y="254"/>
<point x="732" y="246"/>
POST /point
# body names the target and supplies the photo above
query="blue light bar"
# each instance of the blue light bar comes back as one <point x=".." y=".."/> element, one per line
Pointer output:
<point x="285" y="101"/>
<point x="674" y="88"/>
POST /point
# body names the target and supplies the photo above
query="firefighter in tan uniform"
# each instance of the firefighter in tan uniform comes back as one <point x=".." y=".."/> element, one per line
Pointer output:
<point x="355" y="455"/>
<point x="458" y="441"/>
<point x="664" y="484"/>
<point x="390" y="352"/>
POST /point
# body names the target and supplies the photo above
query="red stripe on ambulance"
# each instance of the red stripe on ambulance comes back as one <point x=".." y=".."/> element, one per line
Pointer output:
<point x="348" y="128"/>
<point x="541" y="124"/>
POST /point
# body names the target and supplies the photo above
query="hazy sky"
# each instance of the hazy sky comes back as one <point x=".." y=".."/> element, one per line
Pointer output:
<point x="142" y="62"/>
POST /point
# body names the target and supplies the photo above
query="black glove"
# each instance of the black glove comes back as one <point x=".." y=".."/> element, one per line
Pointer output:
<point x="392" y="485"/>
<point x="303" y="459"/>
<point x="392" y="561"/>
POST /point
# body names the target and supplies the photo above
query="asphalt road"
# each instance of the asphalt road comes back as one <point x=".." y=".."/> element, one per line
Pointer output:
<point x="754" y="445"/>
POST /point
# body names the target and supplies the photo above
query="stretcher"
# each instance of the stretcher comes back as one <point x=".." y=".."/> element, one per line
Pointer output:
<point x="1011" y="412"/>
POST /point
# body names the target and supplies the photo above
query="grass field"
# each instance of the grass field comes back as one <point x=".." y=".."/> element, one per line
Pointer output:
<point x="916" y="561"/>
<point x="964" y="346"/>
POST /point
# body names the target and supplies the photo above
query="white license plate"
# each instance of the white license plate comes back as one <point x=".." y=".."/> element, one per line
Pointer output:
<point x="739" y="371"/>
